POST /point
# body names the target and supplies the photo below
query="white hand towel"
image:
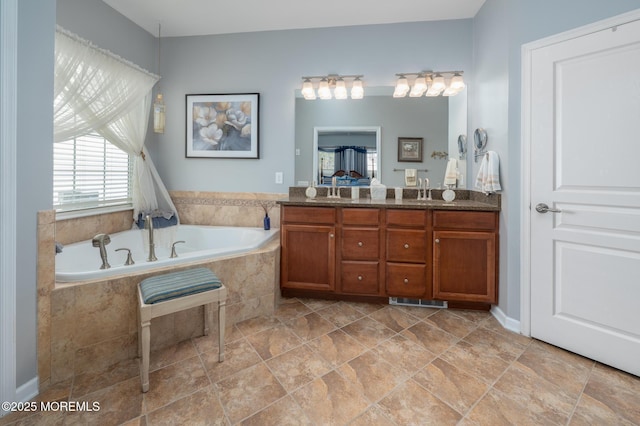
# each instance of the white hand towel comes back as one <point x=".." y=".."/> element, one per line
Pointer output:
<point x="410" y="177"/>
<point x="488" y="179"/>
<point x="451" y="174"/>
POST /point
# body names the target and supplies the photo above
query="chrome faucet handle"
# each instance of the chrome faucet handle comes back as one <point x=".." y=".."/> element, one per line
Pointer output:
<point x="173" y="249"/>
<point x="129" y="258"/>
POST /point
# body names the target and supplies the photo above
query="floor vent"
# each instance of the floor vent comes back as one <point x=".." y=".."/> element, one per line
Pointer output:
<point x="403" y="301"/>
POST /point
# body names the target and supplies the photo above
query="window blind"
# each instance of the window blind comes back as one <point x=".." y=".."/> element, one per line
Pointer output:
<point x="90" y="172"/>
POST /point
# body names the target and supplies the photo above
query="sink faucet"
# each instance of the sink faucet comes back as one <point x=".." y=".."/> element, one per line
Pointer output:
<point x="148" y="224"/>
<point x="102" y="240"/>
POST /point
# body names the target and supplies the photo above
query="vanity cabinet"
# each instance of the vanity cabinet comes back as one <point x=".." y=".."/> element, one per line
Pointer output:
<point x="360" y="251"/>
<point x="368" y="253"/>
<point x="406" y="272"/>
<point x="308" y="240"/>
<point x="465" y="263"/>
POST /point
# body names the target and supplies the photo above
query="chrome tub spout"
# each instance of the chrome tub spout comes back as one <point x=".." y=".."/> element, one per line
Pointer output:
<point x="101" y="240"/>
<point x="148" y="224"/>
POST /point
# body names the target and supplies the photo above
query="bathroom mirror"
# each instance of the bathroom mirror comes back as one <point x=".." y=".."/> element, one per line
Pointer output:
<point x="438" y="120"/>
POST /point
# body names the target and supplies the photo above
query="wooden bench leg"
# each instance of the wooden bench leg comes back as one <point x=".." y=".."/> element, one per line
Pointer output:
<point x="221" y="327"/>
<point x="146" y="347"/>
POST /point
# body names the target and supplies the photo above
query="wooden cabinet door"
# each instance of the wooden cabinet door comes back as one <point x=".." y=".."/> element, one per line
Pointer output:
<point x="464" y="266"/>
<point x="308" y="257"/>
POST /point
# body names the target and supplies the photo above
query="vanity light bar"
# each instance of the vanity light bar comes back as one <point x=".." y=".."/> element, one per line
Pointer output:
<point x="332" y="81"/>
<point x="430" y="83"/>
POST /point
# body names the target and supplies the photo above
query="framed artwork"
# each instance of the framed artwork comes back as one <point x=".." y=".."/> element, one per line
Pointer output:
<point x="410" y="149"/>
<point x="222" y="126"/>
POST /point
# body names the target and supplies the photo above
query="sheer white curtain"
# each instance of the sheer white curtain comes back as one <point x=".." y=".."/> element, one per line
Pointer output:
<point x="95" y="90"/>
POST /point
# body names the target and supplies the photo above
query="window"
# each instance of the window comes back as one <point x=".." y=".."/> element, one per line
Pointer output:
<point x="90" y="172"/>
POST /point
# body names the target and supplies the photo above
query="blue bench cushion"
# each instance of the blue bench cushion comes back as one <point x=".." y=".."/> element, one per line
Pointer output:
<point x="177" y="284"/>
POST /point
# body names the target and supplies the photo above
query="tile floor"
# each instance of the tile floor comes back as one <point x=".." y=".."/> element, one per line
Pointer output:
<point x="336" y="363"/>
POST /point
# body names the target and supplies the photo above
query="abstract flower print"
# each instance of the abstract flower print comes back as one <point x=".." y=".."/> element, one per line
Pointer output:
<point x="223" y="126"/>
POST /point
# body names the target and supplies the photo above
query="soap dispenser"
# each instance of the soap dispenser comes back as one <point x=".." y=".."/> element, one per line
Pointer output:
<point x="311" y="191"/>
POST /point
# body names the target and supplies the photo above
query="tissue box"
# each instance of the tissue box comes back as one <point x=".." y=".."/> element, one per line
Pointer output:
<point x="378" y="192"/>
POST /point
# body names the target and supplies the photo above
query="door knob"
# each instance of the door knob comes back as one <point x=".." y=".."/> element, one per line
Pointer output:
<point x="543" y="208"/>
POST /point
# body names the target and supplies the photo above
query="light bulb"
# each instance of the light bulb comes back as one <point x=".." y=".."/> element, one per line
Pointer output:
<point x="323" y="89"/>
<point x="340" y="91"/>
<point x="419" y="87"/>
<point x="402" y="87"/>
<point x="307" y="90"/>
<point x="357" y="91"/>
<point x="457" y="83"/>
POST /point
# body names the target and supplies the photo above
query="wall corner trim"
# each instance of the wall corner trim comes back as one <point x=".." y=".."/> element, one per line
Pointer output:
<point x="510" y="324"/>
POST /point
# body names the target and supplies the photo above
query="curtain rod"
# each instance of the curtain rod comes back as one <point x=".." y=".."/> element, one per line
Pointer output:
<point x="62" y="31"/>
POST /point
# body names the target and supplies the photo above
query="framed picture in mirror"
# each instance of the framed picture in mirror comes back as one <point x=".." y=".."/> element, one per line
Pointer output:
<point x="410" y="149"/>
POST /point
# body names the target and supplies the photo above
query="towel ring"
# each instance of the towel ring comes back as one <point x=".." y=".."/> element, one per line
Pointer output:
<point x="480" y="142"/>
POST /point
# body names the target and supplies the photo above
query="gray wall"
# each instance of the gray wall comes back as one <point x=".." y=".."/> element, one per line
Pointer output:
<point x="499" y="30"/>
<point x="407" y="117"/>
<point x="36" y="25"/>
<point x="272" y="63"/>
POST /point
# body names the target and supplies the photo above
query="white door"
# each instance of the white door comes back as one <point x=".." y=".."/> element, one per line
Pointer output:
<point x="585" y="163"/>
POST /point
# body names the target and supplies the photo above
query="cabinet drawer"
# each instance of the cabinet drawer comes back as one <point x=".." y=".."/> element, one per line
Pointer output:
<point x="360" y="277"/>
<point x="464" y="220"/>
<point x="324" y="215"/>
<point x="406" y="217"/>
<point x="360" y="217"/>
<point x="404" y="280"/>
<point x="360" y="244"/>
<point x="406" y="245"/>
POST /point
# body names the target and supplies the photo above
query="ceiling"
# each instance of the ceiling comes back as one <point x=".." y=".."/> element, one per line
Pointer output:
<point x="200" y="17"/>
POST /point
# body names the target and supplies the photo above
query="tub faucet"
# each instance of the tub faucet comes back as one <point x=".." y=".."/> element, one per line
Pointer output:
<point x="148" y="224"/>
<point x="102" y="240"/>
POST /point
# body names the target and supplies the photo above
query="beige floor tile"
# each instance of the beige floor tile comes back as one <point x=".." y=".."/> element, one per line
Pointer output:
<point x="396" y="319"/>
<point x="405" y="354"/>
<point x="411" y="404"/>
<point x="365" y="308"/>
<point x="249" y="391"/>
<point x="274" y="341"/>
<point x="476" y="317"/>
<point x="256" y="325"/>
<point x="475" y="361"/>
<point x="91" y="382"/>
<point x="317" y="304"/>
<point x="285" y="412"/>
<point x="495" y="344"/>
<point x="310" y="326"/>
<point x="200" y="408"/>
<point x="331" y="400"/>
<point x="298" y="367"/>
<point x="452" y="385"/>
<point x="337" y="347"/>
<point x="432" y="338"/>
<point x="542" y="397"/>
<point x="341" y="314"/>
<point x="291" y="308"/>
<point x="368" y="331"/>
<point x="118" y="403"/>
<point x="371" y="375"/>
<point x="210" y="342"/>
<point x="418" y="312"/>
<point x="451" y="323"/>
<point x="238" y="356"/>
<point x="492" y="324"/>
<point x="174" y="382"/>
<point x="496" y="409"/>
<point x="617" y="390"/>
<point x="591" y="412"/>
<point x="372" y="417"/>
<point x="172" y="354"/>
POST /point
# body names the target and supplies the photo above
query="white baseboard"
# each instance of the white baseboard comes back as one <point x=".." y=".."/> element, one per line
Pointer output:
<point x="27" y="391"/>
<point x="508" y="323"/>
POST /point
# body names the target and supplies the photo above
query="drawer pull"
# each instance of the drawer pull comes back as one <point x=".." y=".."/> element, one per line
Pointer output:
<point x="406" y="280"/>
<point x="360" y="244"/>
<point x="406" y="246"/>
<point x="359" y="277"/>
<point x="437" y="240"/>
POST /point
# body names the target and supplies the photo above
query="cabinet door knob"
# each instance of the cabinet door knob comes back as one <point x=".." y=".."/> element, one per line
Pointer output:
<point x="360" y="244"/>
<point x="406" y="246"/>
<point x="406" y="280"/>
<point x="359" y="277"/>
<point x="438" y="240"/>
<point x="330" y="235"/>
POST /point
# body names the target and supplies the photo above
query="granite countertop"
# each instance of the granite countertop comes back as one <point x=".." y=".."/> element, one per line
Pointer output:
<point x="465" y="200"/>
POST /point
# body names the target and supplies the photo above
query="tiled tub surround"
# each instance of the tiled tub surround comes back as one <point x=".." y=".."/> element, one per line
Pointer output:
<point x="92" y="325"/>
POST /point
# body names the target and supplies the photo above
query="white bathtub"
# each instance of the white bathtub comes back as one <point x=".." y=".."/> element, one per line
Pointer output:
<point x="81" y="261"/>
